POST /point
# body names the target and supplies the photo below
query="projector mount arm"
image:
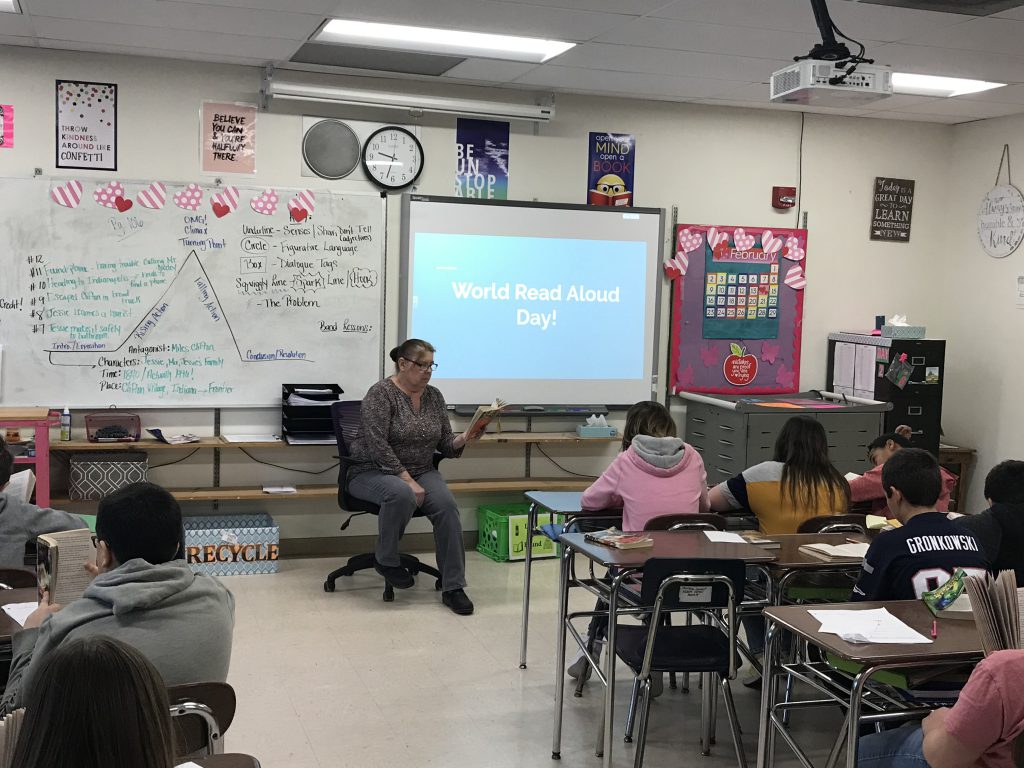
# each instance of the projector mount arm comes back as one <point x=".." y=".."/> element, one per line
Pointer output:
<point x="830" y="49"/>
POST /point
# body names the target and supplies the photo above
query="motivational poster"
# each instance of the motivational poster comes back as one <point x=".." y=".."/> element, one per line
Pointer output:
<point x="228" y="143"/>
<point x="481" y="159"/>
<point x="610" y="169"/>
<point x="6" y="126"/>
<point x="891" y="210"/>
<point x="86" y="125"/>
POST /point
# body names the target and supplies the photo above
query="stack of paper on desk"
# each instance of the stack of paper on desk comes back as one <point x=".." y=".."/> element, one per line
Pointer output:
<point x="867" y="626"/>
<point x="831" y="552"/>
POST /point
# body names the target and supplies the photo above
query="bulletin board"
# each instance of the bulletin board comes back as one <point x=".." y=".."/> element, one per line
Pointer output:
<point x="737" y="309"/>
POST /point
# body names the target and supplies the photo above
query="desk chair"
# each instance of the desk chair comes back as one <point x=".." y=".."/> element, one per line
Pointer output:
<point x="345" y="418"/>
<point x="706" y="521"/>
<point x="851" y="523"/>
<point x="200" y="713"/>
<point x="708" y="648"/>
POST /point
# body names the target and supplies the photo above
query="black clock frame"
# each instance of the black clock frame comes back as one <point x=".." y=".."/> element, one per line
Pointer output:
<point x="366" y="168"/>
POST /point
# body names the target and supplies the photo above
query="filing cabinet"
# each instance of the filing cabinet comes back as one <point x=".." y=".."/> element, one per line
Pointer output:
<point x="857" y="364"/>
<point x="732" y="433"/>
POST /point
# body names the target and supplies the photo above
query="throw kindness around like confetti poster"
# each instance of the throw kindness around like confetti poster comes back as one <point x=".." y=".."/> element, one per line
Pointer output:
<point x="737" y="309"/>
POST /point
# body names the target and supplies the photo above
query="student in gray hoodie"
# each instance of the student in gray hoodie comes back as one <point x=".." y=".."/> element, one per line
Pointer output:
<point x="21" y="522"/>
<point x="144" y="594"/>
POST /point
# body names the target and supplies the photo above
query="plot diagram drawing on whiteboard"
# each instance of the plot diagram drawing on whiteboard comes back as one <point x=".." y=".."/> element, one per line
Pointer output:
<point x="194" y="297"/>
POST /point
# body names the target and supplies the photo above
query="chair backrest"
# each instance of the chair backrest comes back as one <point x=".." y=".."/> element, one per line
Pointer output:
<point x="16" y="578"/>
<point x="345" y="417"/>
<point x="705" y="521"/>
<point x="659" y="569"/>
<point x="851" y="523"/>
<point x="201" y="713"/>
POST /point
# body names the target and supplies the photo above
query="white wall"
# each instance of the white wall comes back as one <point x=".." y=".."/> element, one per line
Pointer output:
<point x="716" y="164"/>
<point x="984" y="368"/>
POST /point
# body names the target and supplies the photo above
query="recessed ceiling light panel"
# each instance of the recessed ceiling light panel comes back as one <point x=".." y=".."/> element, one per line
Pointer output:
<point x="448" y="41"/>
<point x="9" y="6"/>
<point x="931" y="85"/>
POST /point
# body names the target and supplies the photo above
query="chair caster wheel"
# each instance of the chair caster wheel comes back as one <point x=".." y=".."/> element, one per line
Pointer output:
<point x="556" y="755"/>
<point x="437" y="585"/>
<point x="389" y="597"/>
<point x="328" y="586"/>
<point x="628" y="739"/>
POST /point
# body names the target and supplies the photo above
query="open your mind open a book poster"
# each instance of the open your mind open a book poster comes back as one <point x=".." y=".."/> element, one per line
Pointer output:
<point x="737" y="310"/>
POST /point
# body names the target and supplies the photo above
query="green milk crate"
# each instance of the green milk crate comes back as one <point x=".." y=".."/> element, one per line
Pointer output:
<point x="502" y="533"/>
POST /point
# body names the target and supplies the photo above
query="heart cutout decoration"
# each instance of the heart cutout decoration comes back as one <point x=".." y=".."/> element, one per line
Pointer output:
<point x="715" y="238"/>
<point x="793" y="250"/>
<point x="689" y="241"/>
<point x="121" y="204"/>
<point x="224" y="202"/>
<point x="154" y="196"/>
<point x="303" y="204"/>
<point x="795" y="278"/>
<point x="68" y="195"/>
<point x="189" y="198"/>
<point x="770" y="243"/>
<point x="265" y="202"/>
<point x="677" y="267"/>
<point x="741" y="240"/>
<point x="107" y="195"/>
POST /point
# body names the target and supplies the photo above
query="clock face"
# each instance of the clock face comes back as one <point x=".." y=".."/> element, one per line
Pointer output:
<point x="392" y="157"/>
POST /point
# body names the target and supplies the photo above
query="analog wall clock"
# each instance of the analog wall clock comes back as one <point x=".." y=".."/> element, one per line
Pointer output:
<point x="392" y="157"/>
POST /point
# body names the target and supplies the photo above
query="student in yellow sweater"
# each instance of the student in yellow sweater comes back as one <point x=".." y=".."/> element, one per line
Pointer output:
<point x="800" y="483"/>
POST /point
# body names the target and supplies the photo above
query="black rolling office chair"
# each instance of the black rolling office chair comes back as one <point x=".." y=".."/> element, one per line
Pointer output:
<point x="345" y="418"/>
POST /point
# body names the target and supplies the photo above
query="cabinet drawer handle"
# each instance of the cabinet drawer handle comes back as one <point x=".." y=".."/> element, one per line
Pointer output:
<point x="723" y="456"/>
<point x="697" y="419"/>
<point x="698" y="434"/>
<point x="726" y="442"/>
<point x="727" y="428"/>
<point x="724" y="471"/>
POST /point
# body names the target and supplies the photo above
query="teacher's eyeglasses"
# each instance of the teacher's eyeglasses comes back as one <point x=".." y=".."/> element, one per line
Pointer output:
<point x="422" y="366"/>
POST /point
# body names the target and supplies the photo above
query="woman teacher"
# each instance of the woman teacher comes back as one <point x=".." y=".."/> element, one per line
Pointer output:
<point x="404" y="421"/>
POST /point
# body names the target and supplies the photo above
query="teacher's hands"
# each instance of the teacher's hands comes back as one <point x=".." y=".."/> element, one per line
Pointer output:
<point x="417" y="490"/>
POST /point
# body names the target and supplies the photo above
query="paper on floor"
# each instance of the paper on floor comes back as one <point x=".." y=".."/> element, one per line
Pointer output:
<point x="867" y="626"/>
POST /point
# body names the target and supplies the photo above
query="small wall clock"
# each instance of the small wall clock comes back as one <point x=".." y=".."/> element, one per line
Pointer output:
<point x="392" y="157"/>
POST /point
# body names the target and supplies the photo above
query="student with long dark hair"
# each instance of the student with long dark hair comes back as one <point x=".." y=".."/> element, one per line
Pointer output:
<point x="799" y="483"/>
<point x="97" y="703"/>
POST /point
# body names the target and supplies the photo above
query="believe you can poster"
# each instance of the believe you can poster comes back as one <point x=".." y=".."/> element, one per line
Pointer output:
<point x="481" y="159"/>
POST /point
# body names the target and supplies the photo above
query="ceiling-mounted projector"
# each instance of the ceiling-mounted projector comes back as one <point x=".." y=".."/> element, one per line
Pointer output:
<point x="828" y="84"/>
<point x="829" y="75"/>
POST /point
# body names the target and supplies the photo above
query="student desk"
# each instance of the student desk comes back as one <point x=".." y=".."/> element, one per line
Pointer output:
<point x="957" y="643"/>
<point x="8" y="626"/>
<point x="565" y="503"/>
<point x="626" y="563"/>
<point x="790" y="562"/>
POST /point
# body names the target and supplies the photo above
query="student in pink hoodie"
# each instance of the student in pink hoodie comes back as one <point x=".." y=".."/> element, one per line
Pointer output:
<point x="656" y="474"/>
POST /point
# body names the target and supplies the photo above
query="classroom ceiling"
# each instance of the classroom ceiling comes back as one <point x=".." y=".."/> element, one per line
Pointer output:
<point x="705" y="51"/>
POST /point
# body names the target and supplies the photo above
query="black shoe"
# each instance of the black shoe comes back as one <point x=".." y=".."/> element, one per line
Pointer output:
<point x="457" y="600"/>
<point x="397" y="577"/>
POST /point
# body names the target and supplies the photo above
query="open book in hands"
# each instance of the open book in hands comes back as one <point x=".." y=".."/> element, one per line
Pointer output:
<point x="484" y="415"/>
<point x="60" y="564"/>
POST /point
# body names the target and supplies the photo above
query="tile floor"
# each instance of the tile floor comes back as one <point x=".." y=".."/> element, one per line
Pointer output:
<point x="339" y="680"/>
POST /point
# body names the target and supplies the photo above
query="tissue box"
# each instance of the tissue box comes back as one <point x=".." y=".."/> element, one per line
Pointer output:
<point x="586" y="430"/>
<point x="903" y="331"/>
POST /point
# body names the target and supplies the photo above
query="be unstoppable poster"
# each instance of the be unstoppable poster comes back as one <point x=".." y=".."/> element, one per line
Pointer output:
<point x="481" y="166"/>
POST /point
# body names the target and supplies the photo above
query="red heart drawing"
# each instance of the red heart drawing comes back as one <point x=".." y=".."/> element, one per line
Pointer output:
<point x="220" y="210"/>
<point x="298" y="214"/>
<point x="121" y="204"/>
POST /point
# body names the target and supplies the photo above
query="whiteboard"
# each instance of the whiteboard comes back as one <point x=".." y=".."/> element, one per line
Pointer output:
<point x="150" y="294"/>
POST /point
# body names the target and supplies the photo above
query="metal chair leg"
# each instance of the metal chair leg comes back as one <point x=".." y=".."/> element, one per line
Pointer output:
<point x="714" y="711"/>
<point x="645" y="716"/>
<point x="734" y="724"/>
<point x="686" y="675"/>
<point x="672" y="681"/>
<point x="631" y="714"/>
<point x="705" y="715"/>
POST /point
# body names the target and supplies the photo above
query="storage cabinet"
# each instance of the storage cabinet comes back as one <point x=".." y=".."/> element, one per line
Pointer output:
<point x="857" y="364"/>
<point x="732" y="433"/>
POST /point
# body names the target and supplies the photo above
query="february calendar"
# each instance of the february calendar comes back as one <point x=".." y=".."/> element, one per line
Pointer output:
<point x="737" y="309"/>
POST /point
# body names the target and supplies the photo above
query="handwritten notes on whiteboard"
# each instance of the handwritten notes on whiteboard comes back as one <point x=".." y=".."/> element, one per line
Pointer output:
<point x="211" y="303"/>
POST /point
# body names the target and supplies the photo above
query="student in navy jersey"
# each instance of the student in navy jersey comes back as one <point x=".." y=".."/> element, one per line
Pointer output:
<point x="903" y="563"/>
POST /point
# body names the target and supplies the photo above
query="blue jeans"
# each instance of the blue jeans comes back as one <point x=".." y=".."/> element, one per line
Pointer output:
<point x="898" y="748"/>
